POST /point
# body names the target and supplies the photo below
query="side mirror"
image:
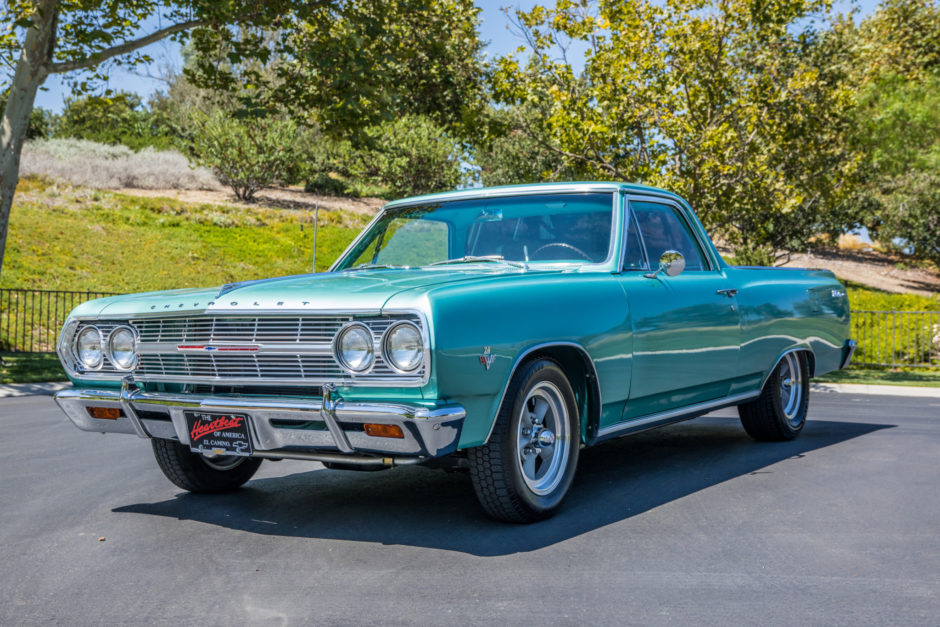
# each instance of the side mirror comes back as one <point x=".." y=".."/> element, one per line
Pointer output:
<point x="672" y="263"/>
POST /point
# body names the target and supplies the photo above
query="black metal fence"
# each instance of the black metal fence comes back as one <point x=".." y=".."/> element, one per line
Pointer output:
<point x="30" y="320"/>
<point x="909" y="339"/>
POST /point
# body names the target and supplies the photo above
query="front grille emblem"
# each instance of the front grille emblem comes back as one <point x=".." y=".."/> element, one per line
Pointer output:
<point x="208" y="348"/>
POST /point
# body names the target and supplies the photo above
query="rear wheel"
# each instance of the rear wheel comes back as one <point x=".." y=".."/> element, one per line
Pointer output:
<point x="779" y="413"/>
<point x="524" y="471"/>
<point x="198" y="473"/>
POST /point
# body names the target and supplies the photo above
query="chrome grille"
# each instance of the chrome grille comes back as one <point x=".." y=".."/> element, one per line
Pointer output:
<point x="240" y="329"/>
<point x="287" y="349"/>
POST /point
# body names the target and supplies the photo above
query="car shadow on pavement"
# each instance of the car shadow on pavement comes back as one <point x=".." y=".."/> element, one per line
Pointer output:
<point x="420" y="507"/>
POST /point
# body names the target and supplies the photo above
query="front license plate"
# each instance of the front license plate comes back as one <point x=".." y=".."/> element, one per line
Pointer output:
<point x="222" y="434"/>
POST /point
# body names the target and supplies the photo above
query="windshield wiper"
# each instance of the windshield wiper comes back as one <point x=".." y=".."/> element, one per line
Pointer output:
<point x="372" y="266"/>
<point x="479" y="259"/>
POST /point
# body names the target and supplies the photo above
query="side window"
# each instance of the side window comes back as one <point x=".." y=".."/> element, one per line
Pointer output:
<point x="664" y="230"/>
<point x="633" y="258"/>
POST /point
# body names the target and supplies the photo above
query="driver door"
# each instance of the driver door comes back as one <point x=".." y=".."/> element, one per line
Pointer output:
<point x="686" y="331"/>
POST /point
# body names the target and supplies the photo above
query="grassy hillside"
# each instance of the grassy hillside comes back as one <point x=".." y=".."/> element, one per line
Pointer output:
<point x="64" y="237"/>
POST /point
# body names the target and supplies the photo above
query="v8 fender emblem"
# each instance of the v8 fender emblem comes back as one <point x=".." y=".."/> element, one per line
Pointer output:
<point x="487" y="358"/>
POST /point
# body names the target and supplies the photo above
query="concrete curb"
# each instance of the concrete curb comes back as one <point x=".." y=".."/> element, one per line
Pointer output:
<point x="48" y="389"/>
<point x="13" y="390"/>
<point x="876" y="390"/>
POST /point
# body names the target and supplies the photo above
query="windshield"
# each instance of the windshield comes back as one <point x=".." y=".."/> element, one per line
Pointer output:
<point x="539" y="228"/>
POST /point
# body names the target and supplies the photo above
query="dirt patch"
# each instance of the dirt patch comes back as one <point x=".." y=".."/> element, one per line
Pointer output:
<point x="278" y="198"/>
<point x="879" y="270"/>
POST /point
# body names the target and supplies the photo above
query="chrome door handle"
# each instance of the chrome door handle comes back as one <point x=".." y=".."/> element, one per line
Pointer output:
<point x="730" y="292"/>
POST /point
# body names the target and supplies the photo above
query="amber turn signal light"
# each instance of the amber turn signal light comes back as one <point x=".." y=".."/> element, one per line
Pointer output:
<point x="383" y="431"/>
<point x="105" y="413"/>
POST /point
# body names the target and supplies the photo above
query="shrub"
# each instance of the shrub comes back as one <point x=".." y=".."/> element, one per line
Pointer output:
<point x="247" y="154"/>
<point x="104" y="166"/>
<point x="411" y="156"/>
<point x="113" y="119"/>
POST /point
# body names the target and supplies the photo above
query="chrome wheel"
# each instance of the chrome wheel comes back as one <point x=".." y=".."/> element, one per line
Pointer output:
<point x="542" y="440"/>
<point x="791" y="389"/>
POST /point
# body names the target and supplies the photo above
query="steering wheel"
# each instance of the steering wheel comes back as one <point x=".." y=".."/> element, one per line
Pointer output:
<point x="564" y="245"/>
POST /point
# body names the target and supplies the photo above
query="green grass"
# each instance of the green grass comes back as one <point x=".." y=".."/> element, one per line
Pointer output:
<point x="871" y="376"/>
<point x="64" y="237"/>
<point x="30" y="368"/>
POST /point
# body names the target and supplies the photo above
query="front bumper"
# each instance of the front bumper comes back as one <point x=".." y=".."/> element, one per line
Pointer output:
<point x="325" y="429"/>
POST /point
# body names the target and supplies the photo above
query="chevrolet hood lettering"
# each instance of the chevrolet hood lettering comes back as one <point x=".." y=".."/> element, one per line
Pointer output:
<point x="362" y="291"/>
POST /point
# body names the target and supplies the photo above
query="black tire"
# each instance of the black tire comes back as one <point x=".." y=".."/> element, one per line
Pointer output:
<point x="504" y="488"/>
<point x="775" y="415"/>
<point x="193" y="472"/>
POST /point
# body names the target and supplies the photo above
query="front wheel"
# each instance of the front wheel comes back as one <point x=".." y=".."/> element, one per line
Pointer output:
<point x="779" y="413"/>
<point x="198" y="473"/>
<point x="525" y="469"/>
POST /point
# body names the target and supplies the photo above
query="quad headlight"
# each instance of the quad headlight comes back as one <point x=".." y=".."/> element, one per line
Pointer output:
<point x="88" y="347"/>
<point x="403" y="347"/>
<point x="122" y="348"/>
<point x="353" y="348"/>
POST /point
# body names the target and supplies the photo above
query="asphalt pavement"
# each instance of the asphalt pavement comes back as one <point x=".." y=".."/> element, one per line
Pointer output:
<point x="691" y="524"/>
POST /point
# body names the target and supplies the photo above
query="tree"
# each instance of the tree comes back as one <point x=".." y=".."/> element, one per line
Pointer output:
<point x="352" y="65"/>
<point x="895" y="61"/>
<point x="46" y="37"/>
<point x="729" y="103"/>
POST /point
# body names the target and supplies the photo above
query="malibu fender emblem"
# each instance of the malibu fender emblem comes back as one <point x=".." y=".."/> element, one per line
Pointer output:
<point x="208" y="348"/>
<point x="486" y="359"/>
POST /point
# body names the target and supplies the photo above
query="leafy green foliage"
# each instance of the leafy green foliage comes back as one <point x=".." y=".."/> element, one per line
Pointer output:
<point x="728" y="103"/>
<point x="896" y="57"/>
<point x="352" y="64"/>
<point x="901" y="38"/>
<point x="246" y="154"/>
<point x="412" y="156"/>
<point x="118" y="118"/>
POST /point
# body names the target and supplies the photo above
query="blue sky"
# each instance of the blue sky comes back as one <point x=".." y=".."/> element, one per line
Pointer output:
<point x="495" y="29"/>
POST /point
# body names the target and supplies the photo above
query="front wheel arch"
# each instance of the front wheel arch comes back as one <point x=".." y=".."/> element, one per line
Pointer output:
<point x="578" y="366"/>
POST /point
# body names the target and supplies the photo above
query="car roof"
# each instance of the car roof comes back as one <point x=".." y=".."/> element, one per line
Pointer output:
<point x="534" y="188"/>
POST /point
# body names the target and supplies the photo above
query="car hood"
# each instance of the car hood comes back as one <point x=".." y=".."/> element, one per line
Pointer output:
<point x="330" y="291"/>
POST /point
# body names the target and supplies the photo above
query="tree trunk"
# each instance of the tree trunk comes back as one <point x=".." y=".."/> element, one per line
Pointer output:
<point x="31" y="71"/>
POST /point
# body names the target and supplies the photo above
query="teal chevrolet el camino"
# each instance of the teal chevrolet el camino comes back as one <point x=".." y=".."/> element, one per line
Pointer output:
<point x="499" y="330"/>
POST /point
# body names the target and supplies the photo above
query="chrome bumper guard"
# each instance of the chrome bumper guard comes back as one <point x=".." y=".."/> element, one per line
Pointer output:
<point x="280" y="427"/>
<point x="847" y="351"/>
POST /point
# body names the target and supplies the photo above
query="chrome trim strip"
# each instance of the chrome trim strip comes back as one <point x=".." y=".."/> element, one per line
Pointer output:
<point x="498" y="192"/>
<point x="673" y="415"/>
<point x="519" y="361"/>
